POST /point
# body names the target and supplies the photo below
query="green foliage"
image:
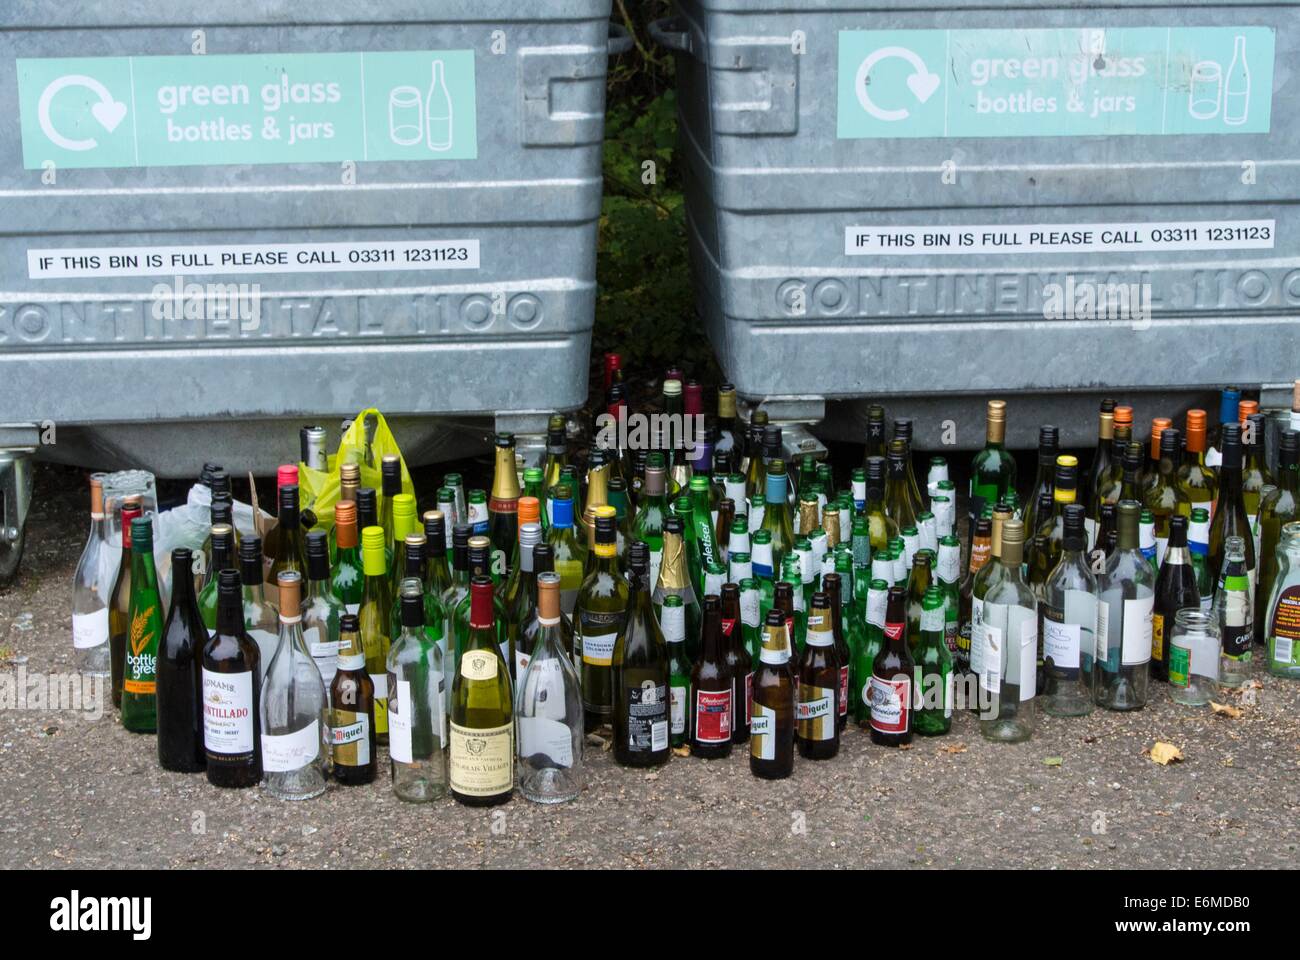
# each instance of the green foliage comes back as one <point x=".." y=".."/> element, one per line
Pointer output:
<point x="645" y="308"/>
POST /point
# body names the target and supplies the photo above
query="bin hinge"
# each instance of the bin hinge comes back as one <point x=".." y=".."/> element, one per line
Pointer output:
<point x="756" y="84"/>
<point x="564" y="95"/>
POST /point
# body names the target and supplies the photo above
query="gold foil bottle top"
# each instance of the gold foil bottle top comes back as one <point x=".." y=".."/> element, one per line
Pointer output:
<point x="831" y="524"/>
<point x="726" y="402"/>
<point x="807" y="515"/>
<point x="997" y="421"/>
<point x="672" y="566"/>
<point x="597" y="491"/>
<point x="1106" y="428"/>
<point x="1000" y="517"/>
<point x="505" y="480"/>
<point x="349" y="480"/>
<point x="1013" y="542"/>
<point x="290" y="584"/>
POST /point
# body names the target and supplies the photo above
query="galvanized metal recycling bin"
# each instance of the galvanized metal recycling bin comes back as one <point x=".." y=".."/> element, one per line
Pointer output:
<point x="882" y="196"/>
<point x="407" y="190"/>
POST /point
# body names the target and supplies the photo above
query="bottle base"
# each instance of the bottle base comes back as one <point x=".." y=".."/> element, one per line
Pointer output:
<point x="471" y="801"/>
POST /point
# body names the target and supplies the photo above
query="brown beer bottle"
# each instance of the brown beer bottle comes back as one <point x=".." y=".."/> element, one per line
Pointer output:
<point x="711" y="689"/>
<point x="891" y="678"/>
<point x="738" y="660"/>
<point x="772" y="720"/>
<point x="819" y="685"/>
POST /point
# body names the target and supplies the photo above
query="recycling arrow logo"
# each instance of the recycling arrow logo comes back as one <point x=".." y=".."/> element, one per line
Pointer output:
<point x="108" y="112"/>
<point x="922" y="83"/>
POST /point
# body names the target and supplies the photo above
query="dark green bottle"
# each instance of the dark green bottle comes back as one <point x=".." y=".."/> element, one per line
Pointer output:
<point x="933" y="669"/>
<point x="641" y="673"/>
<point x="672" y="619"/>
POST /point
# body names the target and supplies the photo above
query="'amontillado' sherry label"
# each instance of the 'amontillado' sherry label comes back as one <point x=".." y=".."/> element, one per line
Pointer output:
<point x="482" y="760"/>
<point x="228" y="714"/>
<point x="350" y="738"/>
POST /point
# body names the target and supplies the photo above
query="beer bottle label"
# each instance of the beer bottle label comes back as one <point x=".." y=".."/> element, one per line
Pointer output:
<point x="350" y="738"/>
<point x="891" y="704"/>
<point x="762" y="733"/>
<point x="713" y="716"/>
<point x="816" y="712"/>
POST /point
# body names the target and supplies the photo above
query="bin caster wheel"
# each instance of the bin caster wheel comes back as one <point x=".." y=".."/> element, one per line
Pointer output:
<point x="15" y="497"/>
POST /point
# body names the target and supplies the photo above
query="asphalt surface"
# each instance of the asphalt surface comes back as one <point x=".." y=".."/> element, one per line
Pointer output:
<point x="79" y="791"/>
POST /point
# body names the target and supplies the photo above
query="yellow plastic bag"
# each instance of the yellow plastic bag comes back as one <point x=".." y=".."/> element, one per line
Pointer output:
<point x="318" y="490"/>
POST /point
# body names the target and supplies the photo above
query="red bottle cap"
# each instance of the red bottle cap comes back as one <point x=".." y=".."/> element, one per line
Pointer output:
<point x="286" y="475"/>
<point x="480" y="603"/>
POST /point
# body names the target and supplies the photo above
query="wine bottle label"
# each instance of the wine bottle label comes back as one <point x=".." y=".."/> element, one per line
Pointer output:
<point x="815" y="713"/>
<point x="678" y="695"/>
<point x="482" y="760"/>
<point x="478" y="665"/>
<point x="90" y="629"/>
<point x="545" y="737"/>
<point x="400" y="710"/>
<point x="1103" y="638"/>
<point x="1136" y="641"/>
<point x="1179" y="665"/>
<point x="350" y="738"/>
<point x="990" y="643"/>
<point x="932" y="620"/>
<point x="762" y="733"/>
<point x="891" y="704"/>
<point x="1285" y="620"/>
<point x="656" y="557"/>
<point x="598" y="648"/>
<point x="647" y="717"/>
<point x="521" y="662"/>
<point x="1157" y="636"/>
<point x="977" y="641"/>
<point x="712" y="716"/>
<point x="228" y="713"/>
<point x="1060" y="643"/>
<point x="286" y="752"/>
<point x="380" y="681"/>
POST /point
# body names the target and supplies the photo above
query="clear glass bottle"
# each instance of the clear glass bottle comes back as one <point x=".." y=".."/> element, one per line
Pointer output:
<point x="1069" y="624"/>
<point x="294" y="718"/>
<point x="548" y="708"/>
<point x="1233" y="613"/>
<point x="90" y="591"/>
<point x="1276" y="510"/>
<point x="1283" y="608"/>
<point x="1194" y="647"/>
<point x="1008" y="634"/>
<point x="416" y="703"/>
<point x="1124" y="618"/>
<point x="993" y="471"/>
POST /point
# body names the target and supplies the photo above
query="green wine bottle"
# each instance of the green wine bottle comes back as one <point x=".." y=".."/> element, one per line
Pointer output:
<point x="140" y="669"/>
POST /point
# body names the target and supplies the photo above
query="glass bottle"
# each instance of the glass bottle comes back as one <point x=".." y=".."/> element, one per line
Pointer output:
<point x="416" y="702"/>
<point x="1008" y="635"/>
<point x="90" y="592"/>
<point x="548" y="706"/>
<point x="1069" y="624"/>
<point x="503" y="505"/>
<point x="119" y="607"/>
<point x="1164" y="497"/>
<point x="980" y="552"/>
<point x="353" y="752"/>
<point x="1232" y="606"/>
<point x="390" y="486"/>
<point x="641" y="675"/>
<point x="674" y="581"/>
<point x="346" y="575"/>
<point x="864" y="656"/>
<point x="1194" y="649"/>
<point x="521" y="588"/>
<point x="918" y="581"/>
<point x="672" y="620"/>
<point x="1101" y="460"/>
<point x="1283" y="607"/>
<point x="819" y="685"/>
<point x="261" y="620"/>
<point x="739" y="662"/>
<point x="899" y="505"/>
<point x="404" y="524"/>
<point x="993" y="471"/>
<point x="525" y="638"/>
<point x="321" y="608"/>
<point x="232" y="687"/>
<point x="140" y="655"/>
<point x="1124" y="619"/>
<point x="987" y="575"/>
<point x="482" y="734"/>
<point x="601" y="618"/>
<point x="179" y="682"/>
<point x="570" y="553"/>
<point x="773" y="713"/>
<point x="291" y="552"/>
<point x="479" y="551"/>
<point x="557" y="457"/>
<point x="375" y="617"/>
<point x="1195" y="479"/>
<point x="1230" y="518"/>
<point x="293" y="707"/>
<point x="934" y="680"/>
<point x="437" y="574"/>
<point x="1175" y="590"/>
<point x="1255" y="479"/>
<point x="711" y="689"/>
<point x="836" y="592"/>
<point x="1198" y="546"/>
<point x="711" y="562"/>
<point x="881" y="526"/>
<point x="1049" y="448"/>
<point x="890" y="694"/>
<point x="776" y="513"/>
<point x="652" y="511"/>
<point x="1280" y="507"/>
<point x="222" y="541"/>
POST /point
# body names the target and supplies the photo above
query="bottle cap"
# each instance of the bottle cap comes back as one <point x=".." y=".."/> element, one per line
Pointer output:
<point x="142" y="535"/>
<point x="286" y="474"/>
<point x="290" y="584"/>
<point x="391" y="471"/>
<point x="530" y="510"/>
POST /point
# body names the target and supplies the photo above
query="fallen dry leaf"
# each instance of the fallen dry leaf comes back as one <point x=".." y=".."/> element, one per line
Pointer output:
<point x="681" y="751"/>
<point x="1165" y="753"/>
<point x="905" y="746"/>
<point x="953" y="748"/>
<point x="1225" y="708"/>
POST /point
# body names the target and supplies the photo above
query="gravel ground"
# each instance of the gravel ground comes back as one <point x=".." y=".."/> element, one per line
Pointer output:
<point x="78" y="791"/>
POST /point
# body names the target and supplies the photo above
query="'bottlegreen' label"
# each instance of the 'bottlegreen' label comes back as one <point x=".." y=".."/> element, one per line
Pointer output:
<point x="247" y="109"/>
<point x="1068" y="82"/>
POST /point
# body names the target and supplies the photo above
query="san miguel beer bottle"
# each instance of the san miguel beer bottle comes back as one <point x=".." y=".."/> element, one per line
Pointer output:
<point x="819" y="685"/>
<point x="352" y="717"/>
<point x="772" y="720"/>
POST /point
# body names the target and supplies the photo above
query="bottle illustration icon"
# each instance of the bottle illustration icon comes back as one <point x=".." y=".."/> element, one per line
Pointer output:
<point x="1206" y="90"/>
<point x="1236" y="88"/>
<point x="405" y="116"/>
<point x="438" y="113"/>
